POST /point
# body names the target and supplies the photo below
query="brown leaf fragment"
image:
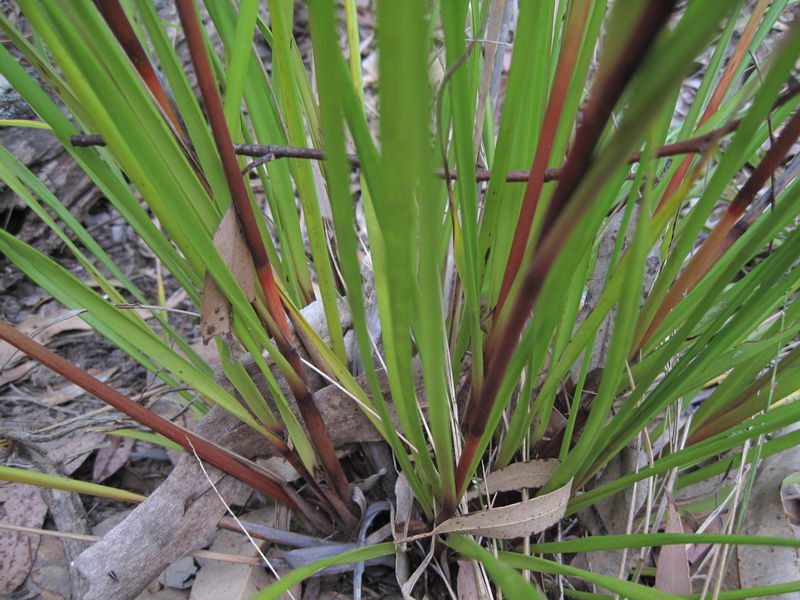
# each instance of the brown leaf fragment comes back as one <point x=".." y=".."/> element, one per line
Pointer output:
<point x="672" y="566"/>
<point x="69" y="391"/>
<point x="229" y="241"/>
<point x="70" y="453"/>
<point x="112" y="457"/>
<point x="18" y="373"/>
<point x="25" y="507"/>
<point x="216" y="316"/>
<point x="514" y="520"/>
<point x="697" y="552"/>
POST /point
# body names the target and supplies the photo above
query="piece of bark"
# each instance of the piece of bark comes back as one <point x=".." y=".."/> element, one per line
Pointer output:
<point x="179" y="517"/>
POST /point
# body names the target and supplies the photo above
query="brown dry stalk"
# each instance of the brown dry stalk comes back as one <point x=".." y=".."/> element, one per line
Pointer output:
<point x="207" y="450"/>
<point x="536" y="177"/>
<point x="273" y="152"/>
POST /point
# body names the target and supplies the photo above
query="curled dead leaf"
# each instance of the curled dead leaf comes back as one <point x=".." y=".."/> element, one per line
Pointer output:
<point x="43" y="329"/>
<point x="514" y="520"/>
<point x="672" y="567"/>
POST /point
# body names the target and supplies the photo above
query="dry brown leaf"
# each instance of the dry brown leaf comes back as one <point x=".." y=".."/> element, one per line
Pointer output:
<point x="42" y="329"/>
<point x="17" y="373"/>
<point x="229" y="241"/>
<point x="697" y="551"/>
<point x="111" y="458"/>
<point x="216" y="317"/>
<point x="515" y="520"/>
<point x="25" y="507"/>
<point x="517" y="476"/>
<point x="672" y="566"/>
<point x="70" y="453"/>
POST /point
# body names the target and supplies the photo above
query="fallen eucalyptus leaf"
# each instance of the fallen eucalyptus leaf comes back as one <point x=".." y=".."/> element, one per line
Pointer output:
<point x="70" y="391"/>
<point x="515" y="520"/>
<point x="24" y="506"/>
<point x="111" y="458"/>
<point x="517" y="476"/>
<point x="43" y="329"/>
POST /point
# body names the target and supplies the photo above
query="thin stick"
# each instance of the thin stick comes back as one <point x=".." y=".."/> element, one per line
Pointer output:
<point x="233" y="558"/>
<point x="693" y="145"/>
<point x="213" y="453"/>
<point x="295" y="376"/>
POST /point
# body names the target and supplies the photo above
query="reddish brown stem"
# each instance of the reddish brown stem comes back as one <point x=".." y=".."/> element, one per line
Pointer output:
<point x="305" y="400"/>
<point x="718" y="241"/>
<point x="538" y="171"/>
<point x="121" y="28"/>
<point x="205" y="449"/>
<point x="719" y="93"/>
<point x="600" y="105"/>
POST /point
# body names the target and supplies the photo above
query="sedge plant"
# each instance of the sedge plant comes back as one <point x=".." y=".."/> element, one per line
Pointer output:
<point x="555" y="271"/>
